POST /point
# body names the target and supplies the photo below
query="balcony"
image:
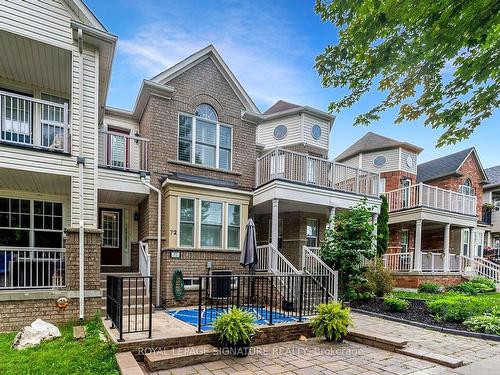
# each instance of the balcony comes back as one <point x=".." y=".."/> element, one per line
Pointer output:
<point x="281" y="164"/>
<point x="123" y="152"/>
<point x="422" y="195"/>
<point x="34" y="123"/>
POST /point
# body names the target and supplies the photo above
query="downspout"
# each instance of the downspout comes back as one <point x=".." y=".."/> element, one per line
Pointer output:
<point x="158" y="245"/>
<point x="81" y="163"/>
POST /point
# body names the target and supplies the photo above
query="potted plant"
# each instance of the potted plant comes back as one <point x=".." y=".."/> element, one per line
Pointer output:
<point x="235" y="329"/>
<point x="332" y="321"/>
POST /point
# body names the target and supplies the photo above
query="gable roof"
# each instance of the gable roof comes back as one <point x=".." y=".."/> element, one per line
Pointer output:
<point x="208" y="52"/>
<point x="84" y="13"/>
<point x="280" y="106"/>
<point x="446" y="166"/>
<point x="493" y="175"/>
<point x="372" y="142"/>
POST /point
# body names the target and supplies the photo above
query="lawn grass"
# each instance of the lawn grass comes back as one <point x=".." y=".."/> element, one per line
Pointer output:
<point x="494" y="297"/>
<point x="63" y="355"/>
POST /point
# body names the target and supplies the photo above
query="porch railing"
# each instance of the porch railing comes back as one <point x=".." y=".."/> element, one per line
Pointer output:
<point x="33" y="122"/>
<point x="302" y="168"/>
<point x="400" y="262"/>
<point x="263" y="295"/>
<point x="314" y="266"/>
<point x="422" y="195"/>
<point x="129" y="305"/>
<point x="31" y="268"/>
<point x="122" y="151"/>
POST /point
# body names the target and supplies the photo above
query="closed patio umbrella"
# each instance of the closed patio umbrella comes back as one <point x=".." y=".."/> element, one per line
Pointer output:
<point x="249" y="252"/>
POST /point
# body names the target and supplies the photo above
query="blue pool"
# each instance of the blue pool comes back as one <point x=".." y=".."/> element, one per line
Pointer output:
<point x="208" y="315"/>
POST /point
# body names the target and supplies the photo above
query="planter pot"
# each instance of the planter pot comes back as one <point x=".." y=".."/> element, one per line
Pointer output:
<point x="339" y="340"/>
<point x="238" y="350"/>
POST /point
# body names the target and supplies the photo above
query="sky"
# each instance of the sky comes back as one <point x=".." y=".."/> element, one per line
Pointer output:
<point x="270" y="46"/>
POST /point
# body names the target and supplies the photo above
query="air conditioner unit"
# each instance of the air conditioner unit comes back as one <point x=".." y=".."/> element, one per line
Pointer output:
<point x="220" y="287"/>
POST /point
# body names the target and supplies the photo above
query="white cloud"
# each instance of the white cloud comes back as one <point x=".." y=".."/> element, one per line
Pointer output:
<point x="260" y="46"/>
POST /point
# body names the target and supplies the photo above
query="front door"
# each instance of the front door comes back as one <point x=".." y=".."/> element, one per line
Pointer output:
<point x="110" y="221"/>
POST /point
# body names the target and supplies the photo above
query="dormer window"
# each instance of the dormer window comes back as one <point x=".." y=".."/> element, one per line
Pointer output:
<point x="466" y="188"/>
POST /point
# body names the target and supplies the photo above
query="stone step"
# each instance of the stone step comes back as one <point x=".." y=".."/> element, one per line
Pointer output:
<point x="181" y="357"/>
<point x="127" y="364"/>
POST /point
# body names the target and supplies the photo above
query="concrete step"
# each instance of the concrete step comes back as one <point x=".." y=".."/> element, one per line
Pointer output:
<point x="181" y="357"/>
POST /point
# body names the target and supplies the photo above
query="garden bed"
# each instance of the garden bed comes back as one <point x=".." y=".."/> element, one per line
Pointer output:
<point x="416" y="312"/>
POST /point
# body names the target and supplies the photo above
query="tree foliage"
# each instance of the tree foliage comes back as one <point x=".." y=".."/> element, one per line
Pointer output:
<point x="348" y="239"/>
<point x="383" y="227"/>
<point x="436" y="59"/>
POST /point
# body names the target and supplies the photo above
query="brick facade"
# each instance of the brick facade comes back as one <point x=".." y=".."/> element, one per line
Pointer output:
<point x="18" y="309"/>
<point x="414" y="280"/>
<point x="393" y="179"/>
<point x="469" y="170"/>
<point x="194" y="263"/>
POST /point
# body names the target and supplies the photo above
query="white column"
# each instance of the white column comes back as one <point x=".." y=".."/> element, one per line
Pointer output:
<point x="331" y="217"/>
<point x="417" y="264"/>
<point x="489" y="239"/>
<point x="274" y="231"/>
<point x="472" y="243"/>
<point x="375" y="229"/>
<point x="446" y="262"/>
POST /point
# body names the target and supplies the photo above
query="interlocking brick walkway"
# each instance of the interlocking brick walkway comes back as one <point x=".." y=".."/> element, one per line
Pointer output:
<point x="316" y="356"/>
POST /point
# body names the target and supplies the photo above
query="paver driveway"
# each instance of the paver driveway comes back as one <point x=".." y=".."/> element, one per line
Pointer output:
<point x="316" y="356"/>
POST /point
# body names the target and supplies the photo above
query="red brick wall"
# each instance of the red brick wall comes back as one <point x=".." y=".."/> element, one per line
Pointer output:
<point x="413" y="281"/>
<point x="469" y="169"/>
<point x="395" y="237"/>
<point x="393" y="179"/>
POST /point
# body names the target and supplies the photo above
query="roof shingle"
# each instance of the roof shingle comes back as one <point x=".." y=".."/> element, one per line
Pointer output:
<point x="443" y="166"/>
<point x="280" y="106"/>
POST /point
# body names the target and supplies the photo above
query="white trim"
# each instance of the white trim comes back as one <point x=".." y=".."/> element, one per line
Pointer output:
<point x="206" y="187"/>
<point x="196" y="58"/>
<point x="222" y="203"/>
<point x="226" y="243"/>
<point x="179" y="198"/>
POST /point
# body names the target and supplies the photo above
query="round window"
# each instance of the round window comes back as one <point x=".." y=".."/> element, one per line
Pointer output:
<point x="280" y="132"/>
<point x="316" y="132"/>
<point x="379" y="161"/>
<point x="409" y="161"/>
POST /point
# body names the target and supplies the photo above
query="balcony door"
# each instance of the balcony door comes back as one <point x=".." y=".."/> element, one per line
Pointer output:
<point x="118" y="147"/>
<point x="406" y="184"/>
<point x="111" y="223"/>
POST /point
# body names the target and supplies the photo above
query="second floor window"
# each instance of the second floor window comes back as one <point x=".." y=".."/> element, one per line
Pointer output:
<point x="203" y="140"/>
<point x="466" y="188"/>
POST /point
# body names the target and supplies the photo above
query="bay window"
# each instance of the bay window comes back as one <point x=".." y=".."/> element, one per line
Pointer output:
<point x="203" y="140"/>
<point x="233" y="226"/>
<point x="186" y="225"/>
<point x="211" y="224"/>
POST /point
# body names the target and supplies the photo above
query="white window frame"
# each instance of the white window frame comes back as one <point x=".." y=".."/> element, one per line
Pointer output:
<point x="192" y="283"/>
<point x="466" y="243"/>
<point x="317" y="231"/>
<point x="403" y="244"/>
<point x="223" y="219"/>
<point x="32" y="228"/>
<point x="118" y="239"/>
<point x="234" y="226"/>
<point x="195" y="231"/>
<point x="217" y="141"/>
<point x="382" y="185"/>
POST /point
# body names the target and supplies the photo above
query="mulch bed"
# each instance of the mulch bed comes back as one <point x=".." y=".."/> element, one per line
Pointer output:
<point x="416" y="312"/>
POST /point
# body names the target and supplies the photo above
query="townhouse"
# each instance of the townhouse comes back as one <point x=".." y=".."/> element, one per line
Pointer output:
<point x="87" y="190"/>
<point x="438" y="226"/>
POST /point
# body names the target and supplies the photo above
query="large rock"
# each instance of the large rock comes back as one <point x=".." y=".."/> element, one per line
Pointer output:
<point x="34" y="334"/>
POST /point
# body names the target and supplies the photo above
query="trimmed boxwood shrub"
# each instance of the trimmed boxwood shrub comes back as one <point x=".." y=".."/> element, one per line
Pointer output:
<point x="429" y="287"/>
<point x="396" y="304"/>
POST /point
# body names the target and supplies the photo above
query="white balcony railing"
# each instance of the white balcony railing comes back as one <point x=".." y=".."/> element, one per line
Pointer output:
<point x="401" y="262"/>
<point x="33" y="122"/>
<point x="122" y="151"/>
<point x="31" y="268"/>
<point x="422" y="195"/>
<point x="302" y="168"/>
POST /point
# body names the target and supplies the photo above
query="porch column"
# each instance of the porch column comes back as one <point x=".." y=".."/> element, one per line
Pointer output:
<point x="446" y="261"/>
<point x="472" y="244"/>
<point x="488" y="239"/>
<point x="375" y="229"/>
<point x="417" y="264"/>
<point x="331" y="217"/>
<point x="274" y="231"/>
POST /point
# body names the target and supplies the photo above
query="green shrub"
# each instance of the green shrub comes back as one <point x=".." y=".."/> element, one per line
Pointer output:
<point x="332" y="321"/>
<point x="475" y="286"/>
<point x="378" y="280"/>
<point x="429" y="287"/>
<point x="396" y="304"/>
<point x="457" y="308"/>
<point x="235" y="327"/>
<point x="487" y="323"/>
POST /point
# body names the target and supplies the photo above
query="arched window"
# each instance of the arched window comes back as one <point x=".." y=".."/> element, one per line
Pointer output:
<point x="468" y="182"/>
<point x="466" y="187"/>
<point x="206" y="111"/>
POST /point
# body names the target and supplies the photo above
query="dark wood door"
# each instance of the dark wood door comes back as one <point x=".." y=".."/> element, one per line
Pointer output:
<point x="111" y="223"/>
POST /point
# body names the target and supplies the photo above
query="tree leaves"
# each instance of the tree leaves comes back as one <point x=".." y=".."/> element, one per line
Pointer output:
<point x="434" y="59"/>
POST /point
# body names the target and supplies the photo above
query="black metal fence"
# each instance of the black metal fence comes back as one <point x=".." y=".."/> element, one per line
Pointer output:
<point x="129" y="304"/>
<point x="272" y="298"/>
